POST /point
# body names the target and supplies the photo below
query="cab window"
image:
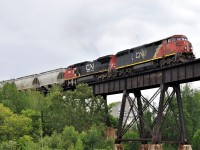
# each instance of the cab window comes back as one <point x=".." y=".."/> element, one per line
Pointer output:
<point x="184" y="39"/>
<point x="173" y="39"/>
<point x="178" y="39"/>
<point x="165" y="41"/>
<point x="169" y="40"/>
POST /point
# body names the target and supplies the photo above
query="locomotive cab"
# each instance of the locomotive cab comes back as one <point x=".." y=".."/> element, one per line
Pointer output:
<point x="178" y="46"/>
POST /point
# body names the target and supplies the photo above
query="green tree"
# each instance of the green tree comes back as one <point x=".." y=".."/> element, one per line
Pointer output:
<point x="54" y="141"/>
<point x="79" y="145"/>
<point x="196" y="140"/>
<point x="131" y="134"/>
<point x="24" y="140"/>
<point x="78" y="108"/>
<point x="13" y="126"/>
<point x="38" y="111"/>
<point x="96" y="139"/>
<point x="12" y="98"/>
<point x="8" y="145"/>
<point x="69" y="137"/>
<point x="191" y="105"/>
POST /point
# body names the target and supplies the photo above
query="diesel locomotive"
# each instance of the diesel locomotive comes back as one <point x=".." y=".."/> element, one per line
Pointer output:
<point x="174" y="49"/>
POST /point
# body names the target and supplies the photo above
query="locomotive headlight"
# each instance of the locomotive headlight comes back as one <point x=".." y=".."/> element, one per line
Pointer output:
<point x="185" y="47"/>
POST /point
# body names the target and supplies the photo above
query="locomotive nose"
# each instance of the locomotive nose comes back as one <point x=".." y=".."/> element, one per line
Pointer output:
<point x="187" y="46"/>
<point x="190" y="47"/>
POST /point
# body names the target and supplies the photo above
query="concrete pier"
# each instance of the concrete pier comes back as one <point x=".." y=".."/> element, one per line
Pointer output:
<point x="185" y="147"/>
<point x="151" y="147"/>
<point x="118" y="147"/>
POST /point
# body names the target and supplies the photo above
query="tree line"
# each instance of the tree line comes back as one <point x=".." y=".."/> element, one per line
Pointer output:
<point x="75" y="120"/>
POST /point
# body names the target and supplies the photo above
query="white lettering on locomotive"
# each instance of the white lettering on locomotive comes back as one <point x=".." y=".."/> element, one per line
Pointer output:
<point x="90" y="67"/>
<point x="141" y="54"/>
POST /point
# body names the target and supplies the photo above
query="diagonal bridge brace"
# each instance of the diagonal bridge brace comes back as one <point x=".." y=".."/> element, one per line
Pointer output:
<point x="137" y="107"/>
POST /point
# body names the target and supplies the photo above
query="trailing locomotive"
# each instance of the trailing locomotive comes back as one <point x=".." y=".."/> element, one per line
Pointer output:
<point x="164" y="52"/>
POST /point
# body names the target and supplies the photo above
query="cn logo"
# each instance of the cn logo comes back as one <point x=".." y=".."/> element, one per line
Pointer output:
<point x="141" y="54"/>
<point x="90" y="67"/>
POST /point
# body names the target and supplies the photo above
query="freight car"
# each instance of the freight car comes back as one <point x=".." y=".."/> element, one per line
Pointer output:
<point x="41" y="81"/>
<point x="174" y="49"/>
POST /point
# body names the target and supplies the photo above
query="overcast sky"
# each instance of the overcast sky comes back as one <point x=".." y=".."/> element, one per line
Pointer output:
<point x="41" y="35"/>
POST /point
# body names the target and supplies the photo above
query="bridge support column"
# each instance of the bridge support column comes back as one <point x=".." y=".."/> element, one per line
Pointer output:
<point x="181" y="119"/>
<point x="140" y="114"/>
<point x="107" y="121"/>
<point x="157" y="134"/>
<point x="121" y="117"/>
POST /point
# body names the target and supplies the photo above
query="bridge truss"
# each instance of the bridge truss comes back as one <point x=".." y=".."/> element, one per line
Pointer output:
<point x="168" y="97"/>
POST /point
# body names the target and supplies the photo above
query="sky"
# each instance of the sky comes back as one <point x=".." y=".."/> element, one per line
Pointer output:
<point x="42" y="35"/>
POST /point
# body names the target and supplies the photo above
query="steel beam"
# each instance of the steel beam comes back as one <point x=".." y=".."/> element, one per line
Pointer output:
<point x="140" y="113"/>
<point x="180" y="111"/>
<point x="121" y="117"/>
<point x="157" y="136"/>
<point x="107" y="121"/>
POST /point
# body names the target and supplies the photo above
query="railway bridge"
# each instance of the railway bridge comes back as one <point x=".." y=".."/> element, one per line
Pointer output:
<point x="167" y="80"/>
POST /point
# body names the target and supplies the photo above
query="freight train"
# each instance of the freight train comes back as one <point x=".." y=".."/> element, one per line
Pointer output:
<point x="174" y="49"/>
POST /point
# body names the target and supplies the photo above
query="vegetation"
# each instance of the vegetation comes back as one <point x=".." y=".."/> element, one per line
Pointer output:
<point x="59" y="120"/>
<point x="73" y="120"/>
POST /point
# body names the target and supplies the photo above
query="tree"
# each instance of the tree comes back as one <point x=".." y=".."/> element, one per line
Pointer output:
<point x="37" y="111"/>
<point x="8" y="145"/>
<point x="131" y="134"/>
<point x="79" y="145"/>
<point x="96" y="139"/>
<point x="13" y="126"/>
<point x="78" y="108"/>
<point x="196" y="139"/>
<point x="191" y="105"/>
<point x="69" y="137"/>
<point x="12" y="98"/>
